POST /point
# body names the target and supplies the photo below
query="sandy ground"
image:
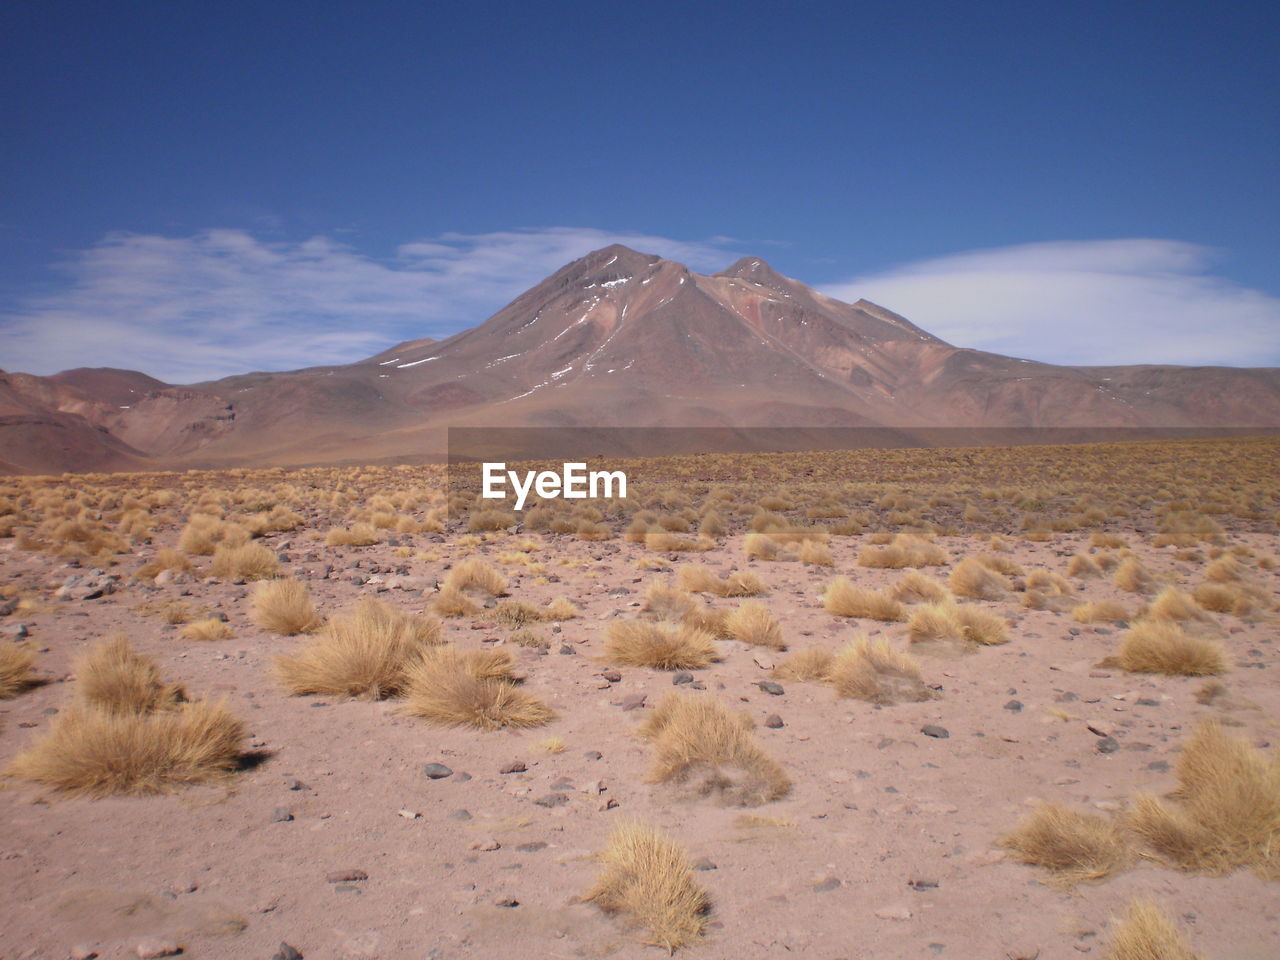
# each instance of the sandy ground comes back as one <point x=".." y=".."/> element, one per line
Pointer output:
<point x="887" y="846"/>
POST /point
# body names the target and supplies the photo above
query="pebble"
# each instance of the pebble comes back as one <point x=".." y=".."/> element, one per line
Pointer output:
<point x="894" y="911"/>
<point x="506" y="902"/>
<point x="613" y="676"/>
<point x="938" y="733"/>
<point x="486" y="846"/>
<point x="436" y="771"/>
<point x="82" y="952"/>
<point x="515" y="766"/>
<point x="703" y="863"/>
<point x="594" y="755"/>
<point x="552" y="800"/>
<point x="345" y="876"/>
<point x="460" y="815"/>
<point x="287" y="952"/>
<point x="1108" y="745"/>
<point x="149" y="949"/>
<point x="1014" y="706"/>
<point x="827" y="885"/>
<point x="771" y="687"/>
<point x="773" y="721"/>
<point x="633" y="701"/>
<point x="680" y="678"/>
<point x="280" y="815"/>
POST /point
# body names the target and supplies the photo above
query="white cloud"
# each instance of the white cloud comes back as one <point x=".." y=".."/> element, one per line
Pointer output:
<point x="190" y="308"/>
<point x="1086" y="302"/>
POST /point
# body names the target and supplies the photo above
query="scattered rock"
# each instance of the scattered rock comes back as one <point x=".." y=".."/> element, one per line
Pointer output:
<point x="702" y="863"/>
<point x="938" y="733"/>
<point x="1159" y="766"/>
<point x="486" y="845"/>
<point x="827" y="885"/>
<point x="594" y="755"/>
<point x="287" y="952"/>
<point x="345" y="876"/>
<point x="151" y="948"/>
<point x="436" y="771"/>
<point x="506" y="902"/>
<point x="552" y="800"/>
<point x="613" y="676"/>
<point x="82" y="952"/>
<point x="280" y="815"/>
<point x="680" y="678"/>
<point x="1108" y="745"/>
<point x="633" y="701"/>
<point x="771" y="687"/>
<point x="1014" y="706"/>
<point x="462" y="815"/>
<point x="773" y="722"/>
<point x="515" y="766"/>
<point x="532" y="847"/>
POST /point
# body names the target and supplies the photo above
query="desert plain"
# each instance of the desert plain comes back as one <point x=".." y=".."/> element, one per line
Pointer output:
<point x="950" y="703"/>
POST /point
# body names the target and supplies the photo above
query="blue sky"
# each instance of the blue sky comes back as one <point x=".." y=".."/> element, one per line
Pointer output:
<point x="196" y="189"/>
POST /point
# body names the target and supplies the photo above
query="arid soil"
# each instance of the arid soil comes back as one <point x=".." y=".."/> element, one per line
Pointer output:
<point x="332" y="839"/>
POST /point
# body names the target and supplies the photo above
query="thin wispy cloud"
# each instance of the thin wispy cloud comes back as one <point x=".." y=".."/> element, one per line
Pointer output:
<point x="224" y="301"/>
<point x="1085" y="302"/>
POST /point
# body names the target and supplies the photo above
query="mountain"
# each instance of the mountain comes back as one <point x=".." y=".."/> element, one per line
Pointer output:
<point x="617" y="338"/>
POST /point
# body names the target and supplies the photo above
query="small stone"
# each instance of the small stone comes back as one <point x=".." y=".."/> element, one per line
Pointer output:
<point x="436" y="771"/>
<point x="515" y="766"/>
<point x="82" y="952"/>
<point x="486" y="846"/>
<point x="409" y="814"/>
<point x="551" y="800"/>
<point x="632" y="701"/>
<point x="460" y="815"/>
<point x="894" y="911"/>
<point x="345" y="876"/>
<point x="506" y="902"/>
<point x="532" y="847"/>
<point x="827" y="885"/>
<point x="613" y="676"/>
<point x="287" y="952"/>
<point x="771" y="687"/>
<point x="1159" y="766"/>
<point x="680" y="678"/>
<point x="149" y="949"/>
<point x="1108" y="745"/>
<point x="280" y="815"/>
<point x="296" y="785"/>
<point x="567" y="650"/>
<point x="594" y="755"/>
<point x="938" y="733"/>
<point x="702" y="863"/>
<point x="1014" y="706"/>
<point x="773" y="722"/>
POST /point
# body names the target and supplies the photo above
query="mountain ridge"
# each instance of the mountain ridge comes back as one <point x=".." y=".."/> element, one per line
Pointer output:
<point x="614" y="338"/>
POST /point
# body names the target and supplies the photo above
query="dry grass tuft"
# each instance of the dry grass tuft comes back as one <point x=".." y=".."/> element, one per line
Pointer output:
<point x="1073" y="846"/>
<point x="843" y="599"/>
<point x="956" y="622"/>
<point x="809" y="664"/>
<point x="165" y="559"/>
<point x="647" y="879"/>
<point x="284" y="607"/>
<point x="560" y="609"/>
<point x="753" y="623"/>
<point x="1100" y="611"/>
<point x="250" y="561"/>
<point x="873" y="670"/>
<point x="211" y="628"/>
<point x="974" y="579"/>
<point x="473" y="689"/>
<point x="363" y="654"/>
<point x="1147" y="933"/>
<point x="708" y="748"/>
<point x="915" y="587"/>
<point x="99" y="752"/>
<point x="1083" y="565"/>
<point x="357" y="535"/>
<point x="17" y="669"/>
<point x="112" y="678"/>
<point x="450" y="602"/>
<point x="737" y="584"/>
<point x="905" y="550"/>
<point x="1158" y="646"/>
<point x="815" y="554"/>
<point x="1226" y="569"/>
<point x="1225" y="813"/>
<point x="663" y="646"/>
<point x="1174" y="605"/>
<point x="667" y="602"/>
<point x="1133" y="577"/>
<point x="474" y="576"/>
